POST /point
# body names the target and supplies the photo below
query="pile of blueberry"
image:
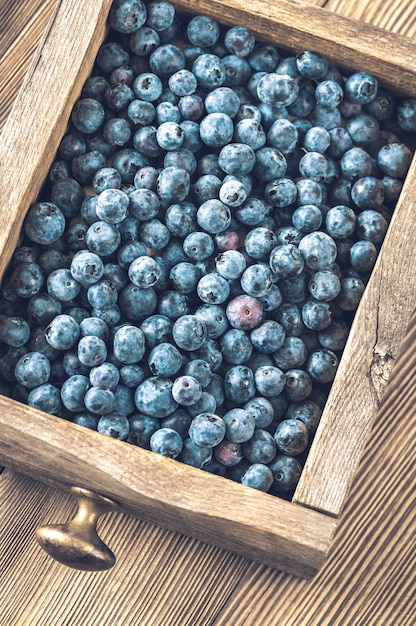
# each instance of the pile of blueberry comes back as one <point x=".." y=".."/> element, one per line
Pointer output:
<point x="187" y="279"/>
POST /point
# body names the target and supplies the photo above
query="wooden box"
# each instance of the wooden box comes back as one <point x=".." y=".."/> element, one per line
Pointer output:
<point x="294" y="536"/>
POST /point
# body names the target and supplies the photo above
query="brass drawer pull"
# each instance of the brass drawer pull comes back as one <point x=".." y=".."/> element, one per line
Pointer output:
<point x="76" y="543"/>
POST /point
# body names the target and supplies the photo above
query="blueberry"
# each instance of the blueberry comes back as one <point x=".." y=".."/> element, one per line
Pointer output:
<point x="86" y="420"/>
<point x="99" y="401"/>
<point x="207" y="430"/>
<point x="26" y="280"/>
<point x="302" y="107"/>
<point x="361" y="88"/>
<point x="214" y="318"/>
<point x="239" y="384"/>
<point x="281" y="192"/>
<point x="167" y="442"/>
<point x="307" y="218"/>
<point x="186" y="390"/>
<point x="129" y="344"/>
<point x="116" y="132"/>
<point x="326" y="116"/>
<point x="102" y="238"/>
<point x="311" y="64"/>
<point x="298" y="385"/>
<point x="277" y="89"/>
<point x="239" y="425"/>
<point x="14" y="331"/>
<point x="160" y="14"/>
<point x="195" y="455"/>
<point x="32" y="370"/>
<point x="131" y="375"/>
<point x="41" y="309"/>
<point x="262" y="410"/>
<point x="258" y="476"/>
<point x="173" y="304"/>
<point x="153" y="397"/>
<point x="117" y="97"/>
<point x="252" y="212"/>
<point x="244" y="312"/>
<point x="213" y="216"/>
<point x="73" y="391"/>
<point x="116" y="275"/>
<point x="363" y="128"/>
<point x="269" y="380"/>
<point x="286" y="472"/>
<point x="406" y="114"/>
<point x="322" y="365"/>
<point x="87" y="115"/>
<point x="74" y="143"/>
<point x="286" y="260"/>
<point x="228" y="453"/>
<point x="363" y="255"/>
<point x="371" y="226"/>
<point x="340" y="222"/>
<point x="142" y="428"/>
<point x="267" y="337"/>
<point x="45" y="398"/>
<point x="329" y="93"/>
<point x="236" y="346"/>
<point x="308" y="412"/>
<point x="92" y="350"/>
<point x="368" y="192"/>
<point x="105" y="376"/>
<point x="126" y="16"/>
<point x="236" y="159"/>
<point x="114" y="425"/>
<point x="184" y="277"/>
<point x="283" y="136"/>
<point x="191" y="107"/>
<point x="222" y="100"/>
<point x="394" y="159"/>
<point x="239" y="41"/>
<point x="166" y="60"/>
<point x="256" y="280"/>
<point x="216" y="129"/>
<point x="270" y="164"/>
<point x="264" y="58"/>
<point x="189" y="332"/>
<point x="200" y="370"/>
<point x="213" y="289"/>
<point x="325" y="285"/>
<point x="62" y="332"/>
<point x="291" y="437"/>
<point x="318" y="250"/>
<point x="206" y="404"/>
<point x="102" y="295"/>
<point x="173" y="184"/>
<point x="44" y="223"/>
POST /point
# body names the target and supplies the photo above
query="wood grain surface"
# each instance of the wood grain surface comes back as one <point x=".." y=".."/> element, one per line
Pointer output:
<point x="162" y="578"/>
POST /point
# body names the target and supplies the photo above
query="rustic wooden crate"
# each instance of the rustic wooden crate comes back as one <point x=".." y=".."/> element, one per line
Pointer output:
<point x="294" y="536"/>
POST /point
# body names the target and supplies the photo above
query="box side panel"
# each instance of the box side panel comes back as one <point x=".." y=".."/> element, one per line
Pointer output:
<point x="373" y="346"/>
<point x="165" y="492"/>
<point x="38" y="119"/>
<point x="297" y="26"/>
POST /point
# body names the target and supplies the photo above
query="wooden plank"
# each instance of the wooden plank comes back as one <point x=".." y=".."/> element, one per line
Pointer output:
<point x="369" y="356"/>
<point x="38" y="119"/>
<point x="160" y="577"/>
<point x="396" y="17"/>
<point x="163" y="491"/>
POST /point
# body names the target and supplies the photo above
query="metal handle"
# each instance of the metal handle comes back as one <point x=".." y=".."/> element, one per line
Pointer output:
<point x="76" y="543"/>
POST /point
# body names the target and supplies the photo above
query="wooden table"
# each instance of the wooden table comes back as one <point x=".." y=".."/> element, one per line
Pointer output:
<point x="162" y="578"/>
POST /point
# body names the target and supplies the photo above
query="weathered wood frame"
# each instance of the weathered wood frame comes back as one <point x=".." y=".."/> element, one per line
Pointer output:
<point x="294" y="536"/>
